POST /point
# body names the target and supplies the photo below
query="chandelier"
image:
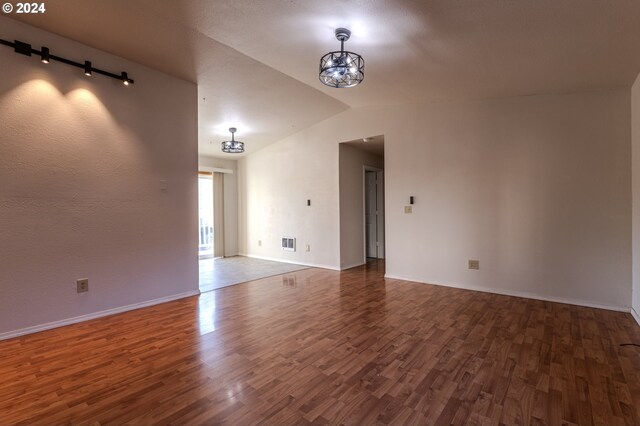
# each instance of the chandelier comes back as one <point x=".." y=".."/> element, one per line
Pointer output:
<point x="233" y="146"/>
<point x="343" y="68"/>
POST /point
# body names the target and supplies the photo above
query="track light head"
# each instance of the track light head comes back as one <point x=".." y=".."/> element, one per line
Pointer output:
<point x="125" y="79"/>
<point x="87" y="68"/>
<point x="45" y="56"/>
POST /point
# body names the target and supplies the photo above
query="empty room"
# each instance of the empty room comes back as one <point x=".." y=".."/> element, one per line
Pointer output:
<point x="339" y="212"/>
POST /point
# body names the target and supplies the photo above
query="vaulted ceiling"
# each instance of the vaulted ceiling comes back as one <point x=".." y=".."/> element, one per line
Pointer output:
<point x="256" y="62"/>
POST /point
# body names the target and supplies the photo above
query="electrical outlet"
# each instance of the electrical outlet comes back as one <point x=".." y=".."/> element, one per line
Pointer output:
<point x="83" y="285"/>
<point x="307" y="247"/>
<point x="474" y="264"/>
<point x="259" y="243"/>
<point x="408" y="209"/>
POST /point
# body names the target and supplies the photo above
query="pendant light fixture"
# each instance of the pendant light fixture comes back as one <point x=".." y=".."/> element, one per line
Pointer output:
<point x="233" y="146"/>
<point x="343" y="68"/>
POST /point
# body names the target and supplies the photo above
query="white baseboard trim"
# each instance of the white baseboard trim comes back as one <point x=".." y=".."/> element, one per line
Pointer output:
<point x="523" y="294"/>
<point x="81" y="318"/>
<point x="635" y="315"/>
<point x="274" y="259"/>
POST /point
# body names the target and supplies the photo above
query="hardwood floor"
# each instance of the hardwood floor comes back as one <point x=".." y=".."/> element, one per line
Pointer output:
<point x="225" y="271"/>
<point x="318" y="346"/>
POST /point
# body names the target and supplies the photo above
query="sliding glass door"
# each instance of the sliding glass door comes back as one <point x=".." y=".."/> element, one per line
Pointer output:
<point x="205" y="216"/>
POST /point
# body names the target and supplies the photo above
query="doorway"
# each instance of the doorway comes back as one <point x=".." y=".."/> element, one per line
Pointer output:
<point x="374" y="213"/>
<point x="361" y="200"/>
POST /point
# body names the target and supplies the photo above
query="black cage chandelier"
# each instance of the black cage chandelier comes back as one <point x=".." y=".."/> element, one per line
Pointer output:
<point x="233" y="146"/>
<point x="343" y="68"/>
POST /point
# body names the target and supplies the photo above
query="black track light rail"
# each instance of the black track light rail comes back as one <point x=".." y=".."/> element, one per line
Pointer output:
<point x="26" y="49"/>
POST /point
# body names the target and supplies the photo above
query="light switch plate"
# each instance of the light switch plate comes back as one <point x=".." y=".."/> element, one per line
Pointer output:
<point x="474" y="264"/>
<point x="408" y="209"/>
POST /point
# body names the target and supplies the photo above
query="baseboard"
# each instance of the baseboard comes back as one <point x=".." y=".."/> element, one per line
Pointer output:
<point x="523" y="294"/>
<point x="354" y="265"/>
<point x="635" y="315"/>
<point x="81" y="318"/>
<point x="311" y="265"/>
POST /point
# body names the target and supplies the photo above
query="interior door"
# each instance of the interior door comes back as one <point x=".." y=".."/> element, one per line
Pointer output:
<point x="371" y="213"/>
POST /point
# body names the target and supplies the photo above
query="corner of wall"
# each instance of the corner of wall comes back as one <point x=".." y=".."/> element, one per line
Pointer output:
<point x="635" y="191"/>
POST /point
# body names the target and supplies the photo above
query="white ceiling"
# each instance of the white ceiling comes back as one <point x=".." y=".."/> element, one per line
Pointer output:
<point x="256" y="62"/>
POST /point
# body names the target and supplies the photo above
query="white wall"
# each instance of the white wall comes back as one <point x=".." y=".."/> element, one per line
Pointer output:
<point x="81" y="160"/>
<point x="536" y="187"/>
<point x="352" y="162"/>
<point x="635" y="138"/>
<point x="230" y="183"/>
<point x="274" y="186"/>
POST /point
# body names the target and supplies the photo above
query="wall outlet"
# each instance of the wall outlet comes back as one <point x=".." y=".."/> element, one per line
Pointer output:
<point x="408" y="209"/>
<point x="307" y="247"/>
<point x="474" y="264"/>
<point x="83" y="285"/>
<point x="259" y="243"/>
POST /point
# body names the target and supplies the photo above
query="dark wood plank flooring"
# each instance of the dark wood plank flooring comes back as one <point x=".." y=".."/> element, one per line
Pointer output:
<point x="324" y="347"/>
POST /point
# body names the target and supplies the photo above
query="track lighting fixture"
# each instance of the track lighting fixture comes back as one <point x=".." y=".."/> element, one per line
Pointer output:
<point x="46" y="57"/>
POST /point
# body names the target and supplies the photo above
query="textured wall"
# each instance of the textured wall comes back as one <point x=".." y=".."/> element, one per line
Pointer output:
<point x="81" y="165"/>
<point x="538" y="188"/>
<point x="274" y="186"/>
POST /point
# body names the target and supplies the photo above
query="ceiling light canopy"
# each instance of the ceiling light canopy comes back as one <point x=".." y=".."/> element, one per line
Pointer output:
<point x="343" y="68"/>
<point x="233" y="146"/>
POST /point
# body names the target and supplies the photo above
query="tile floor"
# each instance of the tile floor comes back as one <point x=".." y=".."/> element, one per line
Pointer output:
<point x="226" y="271"/>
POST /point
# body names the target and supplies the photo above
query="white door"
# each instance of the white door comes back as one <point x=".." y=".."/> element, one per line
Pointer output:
<point x="371" y="213"/>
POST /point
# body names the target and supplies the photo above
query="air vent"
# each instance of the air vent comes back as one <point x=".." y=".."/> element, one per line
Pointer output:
<point x="288" y="244"/>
